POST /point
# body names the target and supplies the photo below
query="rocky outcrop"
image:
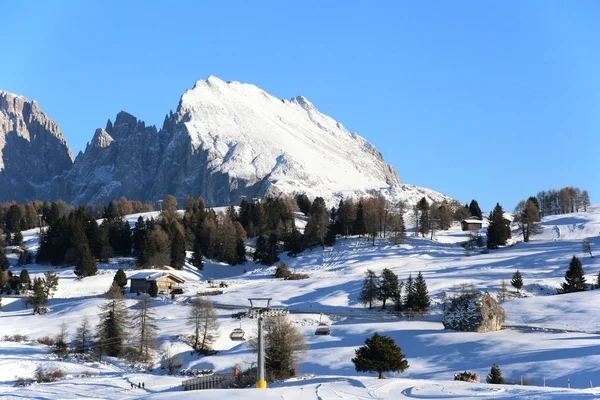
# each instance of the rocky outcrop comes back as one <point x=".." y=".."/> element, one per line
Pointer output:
<point x="226" y="140"/>
<point x="477" y="312"/>
<point x="33" y="151"/>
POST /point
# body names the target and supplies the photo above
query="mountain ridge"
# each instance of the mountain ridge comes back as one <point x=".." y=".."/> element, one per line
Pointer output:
<point x="226" y="141"/>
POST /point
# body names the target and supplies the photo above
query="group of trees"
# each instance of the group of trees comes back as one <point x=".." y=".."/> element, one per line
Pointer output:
<point x="387" y="287"/>
<point x="428" y="218"/>
<point x="527" y="217"/>
<point x="563" y="201"/>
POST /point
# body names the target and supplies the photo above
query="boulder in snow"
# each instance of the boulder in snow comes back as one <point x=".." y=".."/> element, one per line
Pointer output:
<point x="474" y="312"/>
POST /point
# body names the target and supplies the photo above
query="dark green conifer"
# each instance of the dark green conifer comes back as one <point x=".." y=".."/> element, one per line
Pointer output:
<point x="380" y="354"/>
<point x="574" y="277"/>
<point x="495" y="376"/>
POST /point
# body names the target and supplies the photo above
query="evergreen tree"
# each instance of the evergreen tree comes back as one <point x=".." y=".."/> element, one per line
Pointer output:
<point x="398" y="301"/>
<point x="424" y="221"/>
<point x="359" y="224"/>
<point x="574" y="277"/>
<point x="153" y="289"/>
<point x="177" y="246"/>
<point x="388" y="286"/>
<point x="260" y="251"/>
<point x="240" y="252"/>
<point x="24" y="278"/>
<point x="370" y="289"/>
<point x="285" y="346"/>
<point x="120" y="278"/>
<point x="4" y="264"/>
<point x="410" y="295"/>
<point x="474" y="209"/>
<point x="421" y="297"/>
<point x="196" y="260"/>
<point x="330" y="235"/>
<point x="86" y="265"/>
<point x="111" y="333"/>
<point x="498" y="231"/>
<point x="317" y="223"/>
<point x="517" y="280"/>
<point x="38" y="297"/>
<point x="379" y="354"/>
<point x="50" y="283"/>
<point x="495" y="376"/>
<point x="293" y="242"/>
<point x="303" y="204"/>
<point x="17" y="239"/>
<point x="139" y="236"/>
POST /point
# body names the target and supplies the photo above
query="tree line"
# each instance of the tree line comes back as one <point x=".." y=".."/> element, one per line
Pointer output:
<point x="410" y="297"/>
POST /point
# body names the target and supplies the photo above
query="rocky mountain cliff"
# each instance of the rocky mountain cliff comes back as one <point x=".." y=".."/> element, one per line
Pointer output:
<point x="33" y="151"/>
<point x="225" y="141"/>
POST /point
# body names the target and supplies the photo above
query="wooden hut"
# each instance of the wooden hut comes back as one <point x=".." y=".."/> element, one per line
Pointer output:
<point x="165" y="281"/>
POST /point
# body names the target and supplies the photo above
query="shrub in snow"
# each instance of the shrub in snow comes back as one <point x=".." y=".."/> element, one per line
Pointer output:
<point x="474" y="312"/>
<point x="43" y="375"/>
<point x="466" y="376"/>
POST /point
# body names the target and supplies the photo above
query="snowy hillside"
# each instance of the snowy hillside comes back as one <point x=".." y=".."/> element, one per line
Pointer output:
<point x="546" y="337"/>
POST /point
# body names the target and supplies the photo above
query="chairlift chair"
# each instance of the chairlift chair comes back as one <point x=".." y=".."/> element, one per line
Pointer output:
<point x="323" y="328"/>
<point x="237" y="335"/>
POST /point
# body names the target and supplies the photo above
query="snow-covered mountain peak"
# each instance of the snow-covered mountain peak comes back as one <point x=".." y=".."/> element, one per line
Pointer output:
<point x="284" y="146"/>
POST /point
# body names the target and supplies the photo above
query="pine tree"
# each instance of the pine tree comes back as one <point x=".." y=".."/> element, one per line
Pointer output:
<point x="498" y="231"/>
<point x="86" y="265"/>
<point x="120" y="278"/>
<point x="144" y="329"/>
<point x="424" y="221"/>
<point x="574" y="277"/>
<point x="38" y="297"/>
<point x="379" y="354"/>
<point x="370" y="289"/>
<point x="422" y="300"/>
<point x="177" y="245"/>
<point x="293" y="242"/>
<point x="204" y="321"/>
<point x="410" y="295"/>
<point x="24" y="278"/>
<point x="388" y="286"/>
<point x="474" y="209"/>
<point x="517" y="280"/>
<point x="153" y="289"/>
<point x="359" y="223"/>
<point x="50" y="283"/>
<point x="285" y="346"/>
<point x="17" y="239"/>
<point x="111" y="333"/>
<point x="4" y="264"/>
<point x="398" y="300"/>
<point x="196" y="259"/>
<point x="139" y="236"/>
<point x="240" y="252"/>
<point x="495" y="376"/>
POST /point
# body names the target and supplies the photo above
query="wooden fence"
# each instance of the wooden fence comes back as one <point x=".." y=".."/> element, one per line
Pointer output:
<point x="205" y="382"/>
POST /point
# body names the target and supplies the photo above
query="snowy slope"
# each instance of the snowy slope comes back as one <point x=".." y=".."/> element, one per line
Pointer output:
<point x="547" y="336"/>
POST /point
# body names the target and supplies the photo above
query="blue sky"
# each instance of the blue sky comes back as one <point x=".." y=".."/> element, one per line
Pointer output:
<point x="487" y="100"/>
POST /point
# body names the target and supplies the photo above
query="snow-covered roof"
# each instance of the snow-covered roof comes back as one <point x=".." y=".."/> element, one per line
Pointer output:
<point x="472" y="221"/>
<point x="154" y="275"/>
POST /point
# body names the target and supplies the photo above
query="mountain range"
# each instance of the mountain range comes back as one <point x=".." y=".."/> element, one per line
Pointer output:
<point x="225" y="141"/>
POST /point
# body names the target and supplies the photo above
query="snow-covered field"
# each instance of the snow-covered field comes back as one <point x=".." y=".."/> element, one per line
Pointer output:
<point x="547" y="337"/>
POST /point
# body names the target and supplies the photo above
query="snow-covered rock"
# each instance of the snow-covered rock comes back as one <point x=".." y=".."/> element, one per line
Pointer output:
<point x="478" y="312"/>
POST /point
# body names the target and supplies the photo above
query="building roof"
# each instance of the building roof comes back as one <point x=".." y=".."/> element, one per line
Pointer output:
<point x="472" y="221"/>
<point x="155" y="275"/>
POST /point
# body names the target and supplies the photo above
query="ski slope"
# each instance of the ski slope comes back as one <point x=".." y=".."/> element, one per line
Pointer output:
<point x="547" y="336"/>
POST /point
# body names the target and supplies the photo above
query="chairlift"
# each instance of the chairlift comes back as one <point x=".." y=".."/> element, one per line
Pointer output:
<point x="323" y="328"/>
<point x="237" y="335"/>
